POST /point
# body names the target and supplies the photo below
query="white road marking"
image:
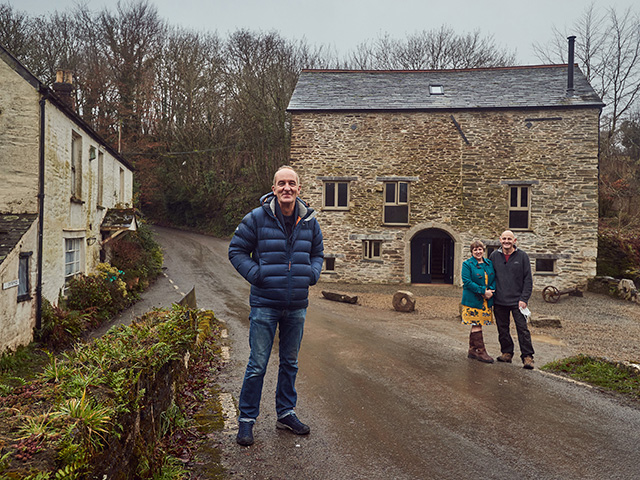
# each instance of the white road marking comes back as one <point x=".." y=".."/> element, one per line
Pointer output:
<point x="228" y="411"/>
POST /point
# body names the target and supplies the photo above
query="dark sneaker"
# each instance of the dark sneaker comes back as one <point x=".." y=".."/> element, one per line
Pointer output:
<point x="291" y="422"/>
<point x="505" y="357"/>
<point x="245" y="433"/>
<point x="528" y="363"/>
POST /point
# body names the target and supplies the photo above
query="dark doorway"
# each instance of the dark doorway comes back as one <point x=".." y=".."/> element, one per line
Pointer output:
<point x="432" y="257"/>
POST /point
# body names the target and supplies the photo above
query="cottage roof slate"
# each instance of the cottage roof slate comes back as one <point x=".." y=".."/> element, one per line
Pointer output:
<point x="119" y="219"/>
<point x="13" y="226"/>
<point x="481" y="88"/>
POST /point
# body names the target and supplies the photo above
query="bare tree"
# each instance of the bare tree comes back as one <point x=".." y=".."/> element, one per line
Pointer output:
<point x="261" y="70"/>
<point x="608" y="51"/>
<point x="128" y="42"/>
<point x="431" y="50"/>
<point x="57" y="45"/>
<point x="16" y="29"/>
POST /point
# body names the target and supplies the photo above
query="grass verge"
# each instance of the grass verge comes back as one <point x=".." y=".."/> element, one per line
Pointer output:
<point x="612" y="376"/>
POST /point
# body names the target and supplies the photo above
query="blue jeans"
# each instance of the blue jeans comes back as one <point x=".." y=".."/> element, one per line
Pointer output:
<point x="262" y="331"/>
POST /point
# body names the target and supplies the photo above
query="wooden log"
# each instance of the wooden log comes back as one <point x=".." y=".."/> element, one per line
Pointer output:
<point x="339" y="297"/>
<point x="545" y="322"/>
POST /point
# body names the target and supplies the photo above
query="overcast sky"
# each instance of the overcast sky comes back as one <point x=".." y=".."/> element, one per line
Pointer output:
<point x="343" y="24"/>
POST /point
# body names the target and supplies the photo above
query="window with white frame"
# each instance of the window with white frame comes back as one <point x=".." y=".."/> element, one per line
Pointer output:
<point x="335" y="195"/>
<point x="519" y="207"/>
<point x="24" y="286"/>
<point x="72" y="257"/>
<point x="372" y="249"/>
<point x="396" y="203"/>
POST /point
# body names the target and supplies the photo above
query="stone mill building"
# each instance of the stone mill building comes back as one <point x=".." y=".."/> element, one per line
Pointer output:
<point x="406" y="168"/>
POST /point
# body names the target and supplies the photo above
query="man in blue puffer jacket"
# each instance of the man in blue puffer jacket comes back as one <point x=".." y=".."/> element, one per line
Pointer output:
<point x="278" y="249"/>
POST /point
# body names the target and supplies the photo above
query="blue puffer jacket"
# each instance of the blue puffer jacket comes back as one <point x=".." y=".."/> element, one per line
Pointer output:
<point x="280" y="269"/>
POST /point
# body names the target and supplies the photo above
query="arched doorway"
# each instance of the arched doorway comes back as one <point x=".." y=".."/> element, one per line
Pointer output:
<point x="432" y="257"/>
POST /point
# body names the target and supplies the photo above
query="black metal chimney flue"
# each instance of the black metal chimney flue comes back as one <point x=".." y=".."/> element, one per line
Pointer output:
<point x="572" y="41"/>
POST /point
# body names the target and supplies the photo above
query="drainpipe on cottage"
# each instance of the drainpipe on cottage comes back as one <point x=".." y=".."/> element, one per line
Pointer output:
<point x="43" y="102"/>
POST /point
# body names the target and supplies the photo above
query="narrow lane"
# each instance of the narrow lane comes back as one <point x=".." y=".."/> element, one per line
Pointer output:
<point x="391" y="397"/>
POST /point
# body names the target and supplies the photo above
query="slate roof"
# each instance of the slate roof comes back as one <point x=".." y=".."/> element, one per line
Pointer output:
<point x="119" y="219"/>
<point x="485" y="88"/>
<point x="13" y="226"/>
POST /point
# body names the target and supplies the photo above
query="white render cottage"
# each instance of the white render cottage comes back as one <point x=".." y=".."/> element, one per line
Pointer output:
<point x="58" y="181"/>
<point x="406" y="168"/>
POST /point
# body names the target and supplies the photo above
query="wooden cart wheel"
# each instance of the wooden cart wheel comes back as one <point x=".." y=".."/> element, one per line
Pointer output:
<point x="550" y="294"/>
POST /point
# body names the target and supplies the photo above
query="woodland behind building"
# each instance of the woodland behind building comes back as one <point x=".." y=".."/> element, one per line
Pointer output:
<point x="203" y="118"/>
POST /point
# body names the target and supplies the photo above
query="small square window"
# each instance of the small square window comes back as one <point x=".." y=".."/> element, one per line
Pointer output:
<point x="436" y="90"/>
<point x="371" y="249"/>
<point x="329" y="264"/>
<point x="545" y="265"/>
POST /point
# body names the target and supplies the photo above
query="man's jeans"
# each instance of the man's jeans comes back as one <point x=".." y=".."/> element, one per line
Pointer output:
<point x="502" y="312"/>
<point x="261" y="335"/>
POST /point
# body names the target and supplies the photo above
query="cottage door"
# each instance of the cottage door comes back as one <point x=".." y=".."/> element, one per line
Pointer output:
<point x="421" y="260"/>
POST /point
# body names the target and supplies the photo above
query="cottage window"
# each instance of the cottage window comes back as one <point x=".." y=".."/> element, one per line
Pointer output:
<point x="76" y="166"/>
<point x="24" y="287"/>
<point x="72" y="257"/>
<point x="335" y="195"/>
<point x="100" y="200"/>
<point x="396" y="203"/>
<point x="121" y="190"/>
<point x="371" y="249"/>
<point x="519" y="207"/>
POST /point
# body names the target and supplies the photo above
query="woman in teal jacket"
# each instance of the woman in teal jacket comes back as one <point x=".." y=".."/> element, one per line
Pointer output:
<point x="479" y="283"/>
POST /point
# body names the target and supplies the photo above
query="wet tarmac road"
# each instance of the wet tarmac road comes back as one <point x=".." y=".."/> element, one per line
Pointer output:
<point x="389" y="397"/>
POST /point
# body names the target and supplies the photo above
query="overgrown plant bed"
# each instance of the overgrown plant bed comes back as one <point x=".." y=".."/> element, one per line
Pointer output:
<point x="110" y="408"/>
<point x="599" y="372"/>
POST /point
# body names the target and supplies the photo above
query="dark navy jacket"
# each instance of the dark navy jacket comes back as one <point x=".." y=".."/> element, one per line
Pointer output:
<point x="279" y="268"/>
<point x="514" y="282"/>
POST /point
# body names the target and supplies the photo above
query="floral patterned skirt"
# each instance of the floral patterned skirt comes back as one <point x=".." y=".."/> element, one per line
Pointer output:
<point x="477" y="316"/>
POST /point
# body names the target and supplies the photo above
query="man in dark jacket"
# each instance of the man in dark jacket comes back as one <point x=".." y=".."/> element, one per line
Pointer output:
<point x="514" y="285"/>
<point x="278" y="249"/>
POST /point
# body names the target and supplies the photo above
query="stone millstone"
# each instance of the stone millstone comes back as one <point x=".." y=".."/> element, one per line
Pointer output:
<point x="404" y="301"/>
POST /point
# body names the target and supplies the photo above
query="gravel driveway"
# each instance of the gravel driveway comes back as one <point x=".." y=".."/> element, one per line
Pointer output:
<point x="595" y="324"/>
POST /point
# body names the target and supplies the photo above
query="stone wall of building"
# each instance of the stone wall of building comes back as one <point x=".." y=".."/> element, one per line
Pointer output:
<point x="103" y="182"/>
<point x="81" y="216"/>
<point x="17" y="318"/>
<point x="461" y="166"/>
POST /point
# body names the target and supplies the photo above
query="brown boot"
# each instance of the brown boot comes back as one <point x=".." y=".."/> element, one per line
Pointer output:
<point x="472" y="347"/>
<point x="505" y="357"/>
<point x="477" y="350"/>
